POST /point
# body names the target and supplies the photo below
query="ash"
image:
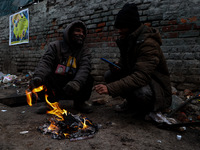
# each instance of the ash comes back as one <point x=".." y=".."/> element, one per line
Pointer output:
<point x="72" y="128"/>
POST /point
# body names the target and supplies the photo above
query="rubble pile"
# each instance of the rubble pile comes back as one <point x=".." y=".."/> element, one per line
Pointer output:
<point x="16" y="82"/>
<point x="190" y="112"/>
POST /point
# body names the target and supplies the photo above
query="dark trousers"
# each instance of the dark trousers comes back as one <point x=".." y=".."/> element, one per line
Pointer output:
<point x="55" y="85"/>
<point x="140" y="100"/>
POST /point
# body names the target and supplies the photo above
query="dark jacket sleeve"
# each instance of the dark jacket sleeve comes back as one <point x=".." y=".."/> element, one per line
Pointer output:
<point x="84" y="68"/>
<point x="146" y="63"/>
<point x="47" y="63"/>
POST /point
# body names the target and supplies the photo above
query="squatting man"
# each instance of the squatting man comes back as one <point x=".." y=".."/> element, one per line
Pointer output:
<point x="143" y="79"/>
<point x="65" y="69"/>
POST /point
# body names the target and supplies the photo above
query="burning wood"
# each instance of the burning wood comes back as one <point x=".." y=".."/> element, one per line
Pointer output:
<point x="63" y="124"/>
<point x="74" y="127"/>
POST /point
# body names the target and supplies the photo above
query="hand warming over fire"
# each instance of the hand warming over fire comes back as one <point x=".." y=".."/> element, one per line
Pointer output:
<point x="35" y="82"/>
<point x="101" y="89"/>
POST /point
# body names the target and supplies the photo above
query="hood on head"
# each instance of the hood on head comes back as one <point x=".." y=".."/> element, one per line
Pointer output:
<point x="67" y="30"/>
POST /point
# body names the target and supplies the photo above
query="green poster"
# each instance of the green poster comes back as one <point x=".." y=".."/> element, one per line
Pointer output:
<point x="19" y="28"/>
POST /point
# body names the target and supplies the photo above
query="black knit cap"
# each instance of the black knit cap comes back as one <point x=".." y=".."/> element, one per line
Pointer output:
<point x="128" y="17"/>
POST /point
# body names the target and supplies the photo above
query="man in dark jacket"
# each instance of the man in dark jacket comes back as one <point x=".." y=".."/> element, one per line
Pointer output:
<point x="143" y="79"/>
<point x="65" y="68"/>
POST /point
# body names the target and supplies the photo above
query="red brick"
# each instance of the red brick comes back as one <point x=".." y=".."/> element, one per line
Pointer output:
<point x="90" y="40"/>
<point x="172" y="35"/>
<point x="147" y="24"/>
<point x="112" y="33"/>
<point x="104" y="38"/>
<point x="182" y="27"/>
<point x="196" y="27"/>
<point x="91" y="45"/>
<point x="59" y="38"/>
<point x="173" y="22"/>
<point x="98" y="30"/>
<point x="34" y="37"/>
<point x="113" y="44"/>
<point x="166" y="29"/>
<point x="193" y="19"/>
<point x="183" y="20"/>
<point x="42" y="46"/>
<point x="90" y="31"/>
<point x="91" y="35"/>
<point x="110" y="38"/>
<point x="101" y="24"/>
<point x="100" y="34"/>
<point x="97" y="40"/>
<point x="55" y="35"/>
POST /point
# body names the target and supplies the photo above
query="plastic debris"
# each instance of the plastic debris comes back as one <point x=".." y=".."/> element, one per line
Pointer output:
<point x="23" y="132"/>
<point x="4" y="110"/>
<point x="159" y="141"/>
<point x="9" y="78"/>
<point x="182" y="129"/>
<point x="179" y="137"/>
<point x="23" y="112"/>
<point x="160" y="118"/>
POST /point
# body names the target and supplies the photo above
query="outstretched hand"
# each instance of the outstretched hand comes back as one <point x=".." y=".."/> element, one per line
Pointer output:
<point x="101" y="89"/>
<point x="35" y="82"/>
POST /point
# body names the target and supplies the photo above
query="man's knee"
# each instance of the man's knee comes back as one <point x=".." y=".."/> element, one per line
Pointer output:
<point x="108" y="76"/>
<point x="142" y="98"/>
<point x="143" y="92"/>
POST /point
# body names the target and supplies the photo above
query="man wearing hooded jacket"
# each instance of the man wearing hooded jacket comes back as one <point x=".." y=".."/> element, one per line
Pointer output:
<point x="65" y="68"/>
<point x="143" y="79"/>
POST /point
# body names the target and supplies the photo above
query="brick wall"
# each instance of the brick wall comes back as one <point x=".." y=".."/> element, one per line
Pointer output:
<point x="178" y="22"/>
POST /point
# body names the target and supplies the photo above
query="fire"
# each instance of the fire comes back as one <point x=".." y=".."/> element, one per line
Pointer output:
<point x="53" y="127"/>
<point x="29" y="98"/>
<point x="40" y="88"/>
<point x="56" y="110"/>
<point x="29" y="94"/>
<point x="84" y="124"/>
<point x="63" y="124"/>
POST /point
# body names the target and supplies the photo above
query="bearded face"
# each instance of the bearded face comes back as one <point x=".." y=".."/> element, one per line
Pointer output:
<point x="78" y="36"/>
<point x="123" y="33"/>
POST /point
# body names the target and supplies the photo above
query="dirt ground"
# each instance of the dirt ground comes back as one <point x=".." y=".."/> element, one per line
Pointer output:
<point x="119" y="131"/>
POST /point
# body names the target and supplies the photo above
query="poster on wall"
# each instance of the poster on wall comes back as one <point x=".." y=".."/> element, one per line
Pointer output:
<point x="19" y="27"/>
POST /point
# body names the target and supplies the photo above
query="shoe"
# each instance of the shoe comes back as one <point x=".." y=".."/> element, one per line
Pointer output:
<point x="42" y="109"/>
<point x="122" y="107"/>
<point x="83" y="107"/>
<point x="126" y="107"/>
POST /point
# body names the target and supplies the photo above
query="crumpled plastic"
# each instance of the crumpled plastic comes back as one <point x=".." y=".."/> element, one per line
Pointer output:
<point x="9" y="78"/>
<point x="160" y="118"/>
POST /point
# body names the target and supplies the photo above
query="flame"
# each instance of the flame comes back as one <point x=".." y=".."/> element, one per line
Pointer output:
<point x="29" y="94"/>
<point x="57" y="111"/>
<point x="29" y="98"/>
<point x="66" y="134"/>
<point x="38" y="89"/>
<point x="84" y="124"/>
<point x="53" y="127"/>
